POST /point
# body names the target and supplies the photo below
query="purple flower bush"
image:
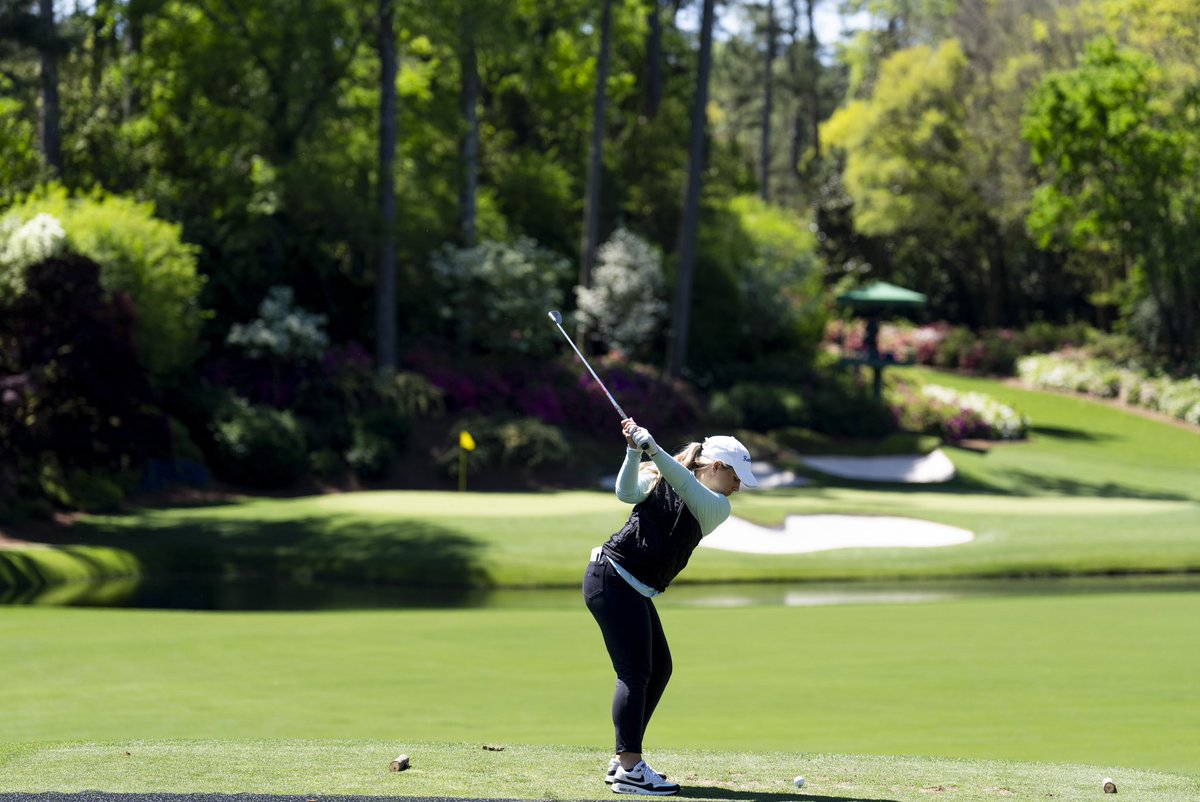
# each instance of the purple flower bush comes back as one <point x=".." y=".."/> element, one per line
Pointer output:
<point x="559" y="392"/>
<point x="954" y="416"/>
<point x="991" y="351"/>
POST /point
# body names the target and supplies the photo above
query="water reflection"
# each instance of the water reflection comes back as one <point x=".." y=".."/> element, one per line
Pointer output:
<point x="265" y="594"/>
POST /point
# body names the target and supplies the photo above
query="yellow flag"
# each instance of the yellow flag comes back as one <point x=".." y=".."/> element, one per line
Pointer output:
<point x="465" y="441"/>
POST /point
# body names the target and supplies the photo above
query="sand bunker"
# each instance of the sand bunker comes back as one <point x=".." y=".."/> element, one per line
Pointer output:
<point x="807" y="533"/>
<point x="917" y="469"/>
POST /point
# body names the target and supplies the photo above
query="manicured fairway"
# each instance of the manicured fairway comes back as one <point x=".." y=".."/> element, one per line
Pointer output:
<point x="1097" y="679"/>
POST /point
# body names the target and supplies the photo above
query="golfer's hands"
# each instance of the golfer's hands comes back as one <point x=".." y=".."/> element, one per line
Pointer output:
<point x="637" y="437"/>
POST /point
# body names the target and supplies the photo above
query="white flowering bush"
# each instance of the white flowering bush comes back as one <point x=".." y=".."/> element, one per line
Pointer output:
<point x="954" y="415"/>
<point x="282" y="329"/>
<point x="1179" y="398"/>
<point x="624" y="305"/>
<point x="25" y="243"/>
<point x="495" y="296"/>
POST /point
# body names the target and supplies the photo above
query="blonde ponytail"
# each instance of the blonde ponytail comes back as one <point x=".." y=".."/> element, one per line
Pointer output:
<point x="688" y="456"/>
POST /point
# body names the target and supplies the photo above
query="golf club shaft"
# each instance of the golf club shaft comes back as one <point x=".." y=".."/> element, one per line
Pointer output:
<point x="616" y="406"/>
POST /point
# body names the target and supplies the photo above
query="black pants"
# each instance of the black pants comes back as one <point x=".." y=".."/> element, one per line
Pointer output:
<point x="635" y="640"/>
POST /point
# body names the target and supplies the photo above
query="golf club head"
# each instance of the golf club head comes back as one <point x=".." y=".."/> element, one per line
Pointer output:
<point x="556" y="317"/>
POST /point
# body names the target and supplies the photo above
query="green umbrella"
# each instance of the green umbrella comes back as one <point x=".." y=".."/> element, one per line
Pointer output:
<point x="880" y="295"/>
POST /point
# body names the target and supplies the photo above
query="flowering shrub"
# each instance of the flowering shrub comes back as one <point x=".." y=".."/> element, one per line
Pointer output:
<point x="933" y="409"/>
<point x="992" y="351"/>
<point x="558" y="392"/>
<point x="25" y="244"/>
<point x="282" y="330"/>
<point x="624" y="304"/>
<point x="495" y="295"/>
<point x="1075" y="371"/>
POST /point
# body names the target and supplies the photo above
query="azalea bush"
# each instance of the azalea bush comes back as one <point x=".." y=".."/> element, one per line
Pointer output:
<point x="990" y="351"/>
<point x="1076" y="371"/>
<point x="559" y="392"/>
<point x="953" y="415"/>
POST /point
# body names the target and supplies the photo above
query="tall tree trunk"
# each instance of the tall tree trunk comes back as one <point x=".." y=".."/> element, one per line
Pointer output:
<point x="595" y="170"/>
<point x="654" y="70"/>
<point x="385" y="281"/>
<point x="796" y="133"/>
<point x="689" y="229"/>
<point x="764" y="158"/>
<point x="50" y="111"/>
<point x="131" y="44"/>
<point x="469" y="98"/>
<point x="814" y="66"/>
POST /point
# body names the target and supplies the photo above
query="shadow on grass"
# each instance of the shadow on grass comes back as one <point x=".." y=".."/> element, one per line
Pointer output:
<point x="1073" y="487"/>
<point x="712" y="792"/>
<point x="1078" y="435"/>
<point x="412" y="554"/>
<point x="1007" y="483"/>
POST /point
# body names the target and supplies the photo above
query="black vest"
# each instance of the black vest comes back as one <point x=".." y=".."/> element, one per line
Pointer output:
<point x="658" y="539"/>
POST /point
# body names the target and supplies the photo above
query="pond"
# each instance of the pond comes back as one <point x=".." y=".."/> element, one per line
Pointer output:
<point x="269" y="594"/>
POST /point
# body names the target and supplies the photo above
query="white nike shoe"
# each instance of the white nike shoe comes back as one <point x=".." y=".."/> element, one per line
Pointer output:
<point x="613" y="765"/>
<point x="642" y="779"/>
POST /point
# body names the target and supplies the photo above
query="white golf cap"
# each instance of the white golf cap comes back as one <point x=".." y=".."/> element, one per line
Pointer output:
<point x="730" y="451"/>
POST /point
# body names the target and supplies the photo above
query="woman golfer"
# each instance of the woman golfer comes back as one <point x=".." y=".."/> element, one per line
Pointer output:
<point x="677" y="500"/>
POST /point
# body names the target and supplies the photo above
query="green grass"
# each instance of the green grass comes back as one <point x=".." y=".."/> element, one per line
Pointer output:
<point x="981" y="697"/>
<point x="310" y="767"/>
<point x="1096" y="679"/>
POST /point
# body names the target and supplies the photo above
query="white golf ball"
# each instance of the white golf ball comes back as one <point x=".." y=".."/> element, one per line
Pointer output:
<point x="799" y="782"/>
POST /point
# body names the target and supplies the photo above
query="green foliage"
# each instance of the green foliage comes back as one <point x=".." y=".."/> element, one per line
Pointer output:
<point x="327" y="464"/>
<point x="91" y="492"/>
<point x="258" y="446"/>
<point x="1118" y="150"/>
<point x="503" y="443"/>
<point x="370" y="454"/>
<point x="831" y="403"/>
<point x="903" y="145"/>
<point x="953" y="347"/>
<point x="416" y="396"/>
<point x="760" y="407"/>
<point x="494" y="296"/>
<point x="140" y="255"/>
<point x="19" y="164"/>
<point x="780" y="279"/>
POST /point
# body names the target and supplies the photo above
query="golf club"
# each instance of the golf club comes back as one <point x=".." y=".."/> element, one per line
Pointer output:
<point x="557" y="318"/>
